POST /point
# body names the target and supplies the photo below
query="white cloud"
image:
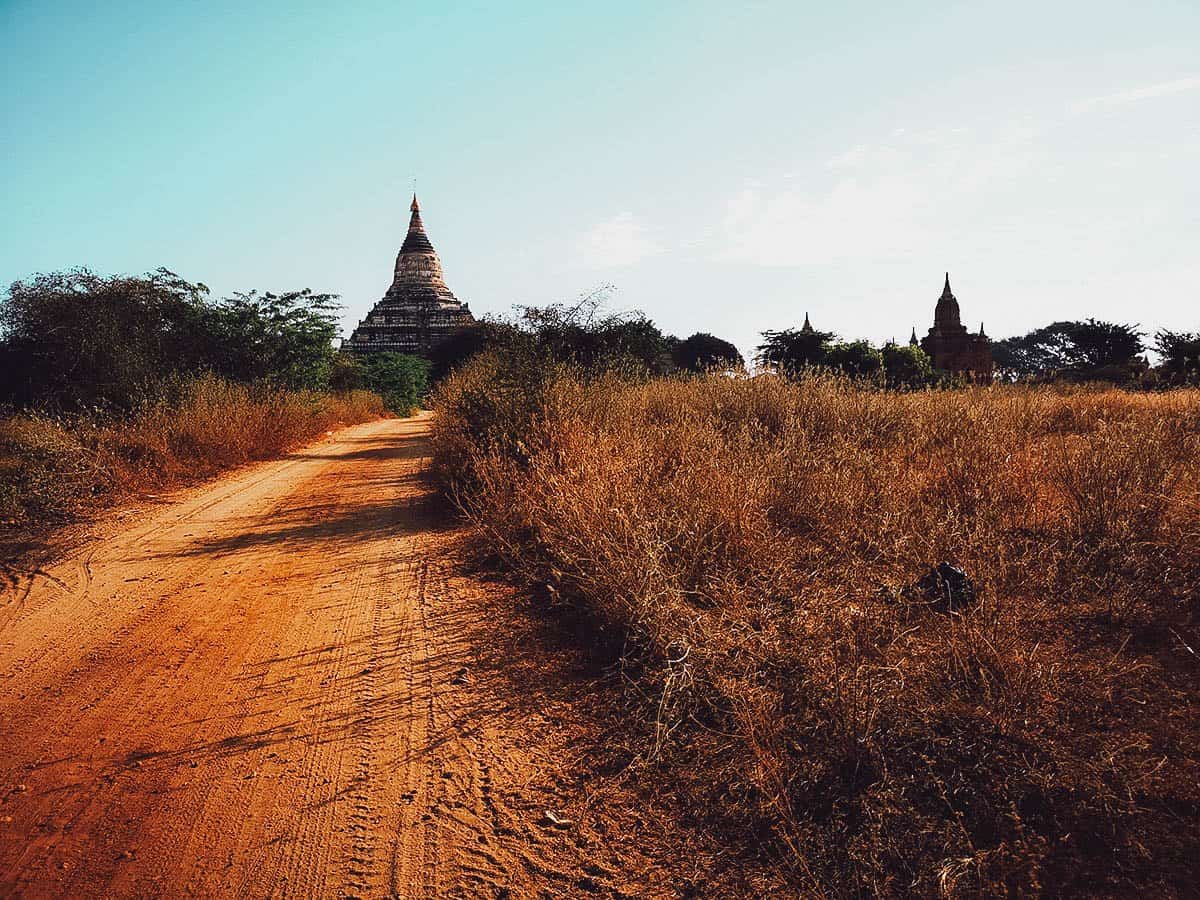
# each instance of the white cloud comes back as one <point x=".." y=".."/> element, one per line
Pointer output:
<point x="620" y="241"/>
<point x="855" y="219"/>
<point x="878" y="201"/>
<point x="1135" y="95"/>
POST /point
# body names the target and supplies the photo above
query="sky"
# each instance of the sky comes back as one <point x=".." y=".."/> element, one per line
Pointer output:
<point x="725" y="167"/>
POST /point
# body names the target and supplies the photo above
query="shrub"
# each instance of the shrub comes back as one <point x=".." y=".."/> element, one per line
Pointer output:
<point x="401" y="380"/>
<point x="755" y="546"/>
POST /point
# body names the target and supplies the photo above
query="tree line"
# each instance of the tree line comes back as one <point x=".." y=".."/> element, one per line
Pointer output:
<point x="582" y="334"/>
<point x="75" y="340"/>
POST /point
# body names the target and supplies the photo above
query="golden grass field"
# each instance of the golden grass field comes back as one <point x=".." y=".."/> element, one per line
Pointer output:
<point x="751" y="547"/>
<point x="51" y="469"/>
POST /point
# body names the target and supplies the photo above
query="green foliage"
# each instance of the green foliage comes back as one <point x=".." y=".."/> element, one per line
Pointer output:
<point x="580" y="336"/>
<point x="858" y="359"/>
<point x="286" y="339"/>
<point x="1074" y="350"/>
<point x="793" y="350"/>
<point x="401" y="380"/>
<point x="703" y="352"/>
<point x="907" y="366"/>
<point x="76" y="340"/>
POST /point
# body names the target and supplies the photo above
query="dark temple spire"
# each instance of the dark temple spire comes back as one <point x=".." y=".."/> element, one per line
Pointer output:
<point x="946" y="316"/>
<point x="416" y="240"/>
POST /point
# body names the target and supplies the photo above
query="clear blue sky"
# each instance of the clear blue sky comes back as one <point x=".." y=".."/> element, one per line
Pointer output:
<point x="727" y="166"/>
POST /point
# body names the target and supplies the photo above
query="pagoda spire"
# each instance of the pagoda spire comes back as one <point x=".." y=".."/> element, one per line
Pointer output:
<point x="945" y="315"/>
<point x="912" y="341"/>
<point x="417" y="240"/>
<point x="807" y="327"/>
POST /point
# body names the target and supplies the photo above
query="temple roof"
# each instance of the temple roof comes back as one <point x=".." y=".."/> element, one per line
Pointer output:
<point x="946" y="315"/>
<point x="418" y="310"/>
<point x="416" y="241"/>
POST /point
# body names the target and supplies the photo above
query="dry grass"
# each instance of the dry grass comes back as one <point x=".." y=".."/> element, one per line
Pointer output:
<point x="755" y="544"/>
<point x="52" y="470"/>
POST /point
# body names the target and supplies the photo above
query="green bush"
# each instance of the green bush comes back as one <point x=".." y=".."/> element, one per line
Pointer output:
<point x="401" y="380"/>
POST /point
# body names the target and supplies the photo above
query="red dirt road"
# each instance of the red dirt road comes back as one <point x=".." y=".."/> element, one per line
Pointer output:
<point x="269" y="688"/>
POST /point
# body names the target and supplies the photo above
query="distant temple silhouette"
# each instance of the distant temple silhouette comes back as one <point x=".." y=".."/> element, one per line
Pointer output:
<point x="950" y="347"/>
<point x="418" y="311"/>
<point x="948" y="344"/>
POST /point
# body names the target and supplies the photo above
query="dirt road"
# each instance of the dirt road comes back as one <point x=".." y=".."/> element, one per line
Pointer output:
<point x="271" y="687"/>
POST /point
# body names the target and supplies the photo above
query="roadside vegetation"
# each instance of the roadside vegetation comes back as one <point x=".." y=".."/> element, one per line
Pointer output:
<point x="52" y="468"/>
<point x="111" y="385"/>
<point x="879" y="642"/>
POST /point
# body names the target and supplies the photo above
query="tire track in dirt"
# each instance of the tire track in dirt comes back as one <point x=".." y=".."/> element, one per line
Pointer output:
<point x="268" y="688"/>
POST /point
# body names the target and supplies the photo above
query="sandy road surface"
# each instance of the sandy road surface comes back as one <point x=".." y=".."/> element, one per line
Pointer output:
<point x="266" y="688"/>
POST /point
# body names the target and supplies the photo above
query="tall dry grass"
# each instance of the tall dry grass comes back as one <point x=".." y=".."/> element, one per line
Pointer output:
<point x="51" y="469"/>
<point x="756" y="545"/>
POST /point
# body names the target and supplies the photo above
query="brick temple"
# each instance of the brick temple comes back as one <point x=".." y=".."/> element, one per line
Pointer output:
<point x="949" y="345"/>
<point x="418" y="311"/>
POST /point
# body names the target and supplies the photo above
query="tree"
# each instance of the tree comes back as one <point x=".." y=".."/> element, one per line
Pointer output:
<point x="857" y="359"/>
<point x="634" y="338"/>
<point x="1094" y="345"/>
<point x="1180" y="352"/>
<point x="401" y="380"/>
<point x="1077" y="350"/>
<point x="906" y="366"/>
<point x="76" y="339"/>
<point x="1022" y="357"/>
<point x="702" y="352"/>
<point x="794" y="349"/>
<point x="284" y="338"/>
<point x="346" y="373"/>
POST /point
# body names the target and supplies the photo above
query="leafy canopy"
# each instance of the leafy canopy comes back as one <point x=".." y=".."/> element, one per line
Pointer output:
<point x="76" y="339"/>
<point x="794" y="349"/>
<point x="907" y="366"/>
<point x="1078" y="349"/>
<point x="703" y="352"/>
<point x="1180" y="352"/>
